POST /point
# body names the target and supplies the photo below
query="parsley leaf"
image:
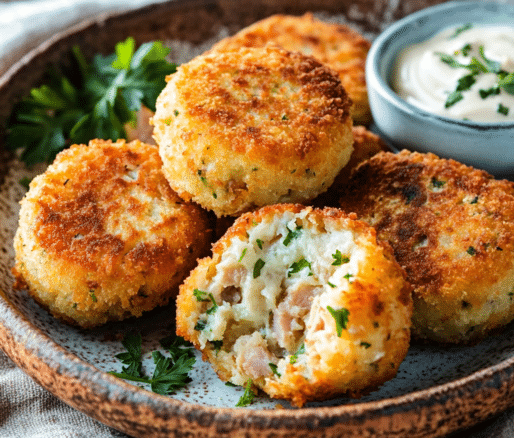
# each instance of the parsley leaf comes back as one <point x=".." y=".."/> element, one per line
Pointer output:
<point x="274" y="369"/>
<point x="292" y="234"/>
<point x="132" y="357"/>
<point x="341" y="318"/>
<point x="453" y="98"/>
<point x="503" y="109"/>
<point x="169" y="376"/>
<point x="492" y="66"/>
<point x="507" y="83"/>
<point x="339" y="258"/>
<point x="177" y="346"/>
<point x="298" y="266"/>
<point x="259" y="264"/>
<point x="294" y="357"/>
<point x="461" y="29"/>
<point x="248" y="396"/>
<point x="493" y="91"/>
<point x="65" y="110"/>
<point x="170" y="373"/>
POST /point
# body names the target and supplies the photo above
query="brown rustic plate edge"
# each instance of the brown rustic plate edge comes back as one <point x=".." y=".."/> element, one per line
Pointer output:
<point x="428" y="413"/>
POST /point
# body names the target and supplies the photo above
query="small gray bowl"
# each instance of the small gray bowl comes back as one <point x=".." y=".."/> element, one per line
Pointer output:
<point x="488" y="146"/>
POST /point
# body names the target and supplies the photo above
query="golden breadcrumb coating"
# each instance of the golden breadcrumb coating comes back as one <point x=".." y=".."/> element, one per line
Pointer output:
<point x="452" y="229"/>
<point x="304" y="302"/>
<point x="340" y="47"/>
<point x="243" y="129"/>
<point x="103" y="237"/>
<point x="365" y="145"/>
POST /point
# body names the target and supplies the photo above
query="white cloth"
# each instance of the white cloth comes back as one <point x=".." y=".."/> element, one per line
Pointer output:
<point x="26" y="409"/>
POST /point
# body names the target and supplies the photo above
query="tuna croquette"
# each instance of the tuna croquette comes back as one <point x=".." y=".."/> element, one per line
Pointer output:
<point x="103" y="237"/>
<point x="340" y="47"/>
<point x="248" y="128"/>
<point x="452" y="230"/>
<point x="303" y="302"/>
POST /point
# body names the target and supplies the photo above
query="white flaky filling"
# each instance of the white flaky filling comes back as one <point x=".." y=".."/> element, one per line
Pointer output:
<point x="272" y="289"/>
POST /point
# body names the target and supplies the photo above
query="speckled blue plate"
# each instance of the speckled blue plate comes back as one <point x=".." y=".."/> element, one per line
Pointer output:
<point x="437" y="389"/>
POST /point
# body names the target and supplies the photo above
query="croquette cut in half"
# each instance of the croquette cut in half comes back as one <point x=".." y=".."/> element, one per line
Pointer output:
<point x="452" y="230"/>
<point x="303" y="302"/>
<point x="103" y="237"/>
<point x="254" y="127"/>
<point x="338" y="46"/>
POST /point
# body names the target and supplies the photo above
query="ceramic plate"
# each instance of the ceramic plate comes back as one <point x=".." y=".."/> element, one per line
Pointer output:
<point x="437" y="389"/>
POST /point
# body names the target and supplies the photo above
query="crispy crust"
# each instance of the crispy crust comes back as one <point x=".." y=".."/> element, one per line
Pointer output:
<point x="238" y="130"/>
<point x="102" y="236"/>
<point x="378" y="299"/>
<point x="340" y="47"/>
<point x="452" y="229"/>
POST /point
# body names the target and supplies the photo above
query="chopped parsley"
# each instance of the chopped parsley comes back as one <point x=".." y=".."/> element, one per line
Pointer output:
<point x="503" y="109"/>
<point x="274" y="369"/>
<point x="242" y="255"/>
<point x="200" y="325"/>
<point x="298" y="266"/>
<point x="465" y="82"/>
<point x="339" y="258"/>
<point x="341" y="318"/>
<point x="175" y="113"/>
<point x="437" y="183"/>
<point x="247" y="398"/>
<point x="217" y="345"/>
<point x="177" y="346"/>
<point x="205" y="297"/>
<point x="453" y="98"/>
<point x="93" y="296"/>
<point x="331" y="284"/>
<point x="471" y="251"/>
<point x="493" y="91"/>
<point x="259" y="264"/>
<point x="476" y="66"/>
<point x="170" y="373"/>
<point x="461" y="29"/>
<point x="259" y="243"/>
<point x="294" y="357"/>
<point x="292" y="234"/>
<point x="348" y="276"/>
<point x="366" y="345"/>
<point x="206" y="183"/>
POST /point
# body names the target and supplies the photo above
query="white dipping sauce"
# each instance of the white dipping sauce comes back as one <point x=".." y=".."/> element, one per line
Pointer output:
<point x="424" y="80"/>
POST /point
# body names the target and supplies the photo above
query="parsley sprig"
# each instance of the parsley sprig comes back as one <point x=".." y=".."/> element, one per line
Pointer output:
<point x="110" y="90"/>
<point x="476" y="66"/>
<point x="170" y="373"/>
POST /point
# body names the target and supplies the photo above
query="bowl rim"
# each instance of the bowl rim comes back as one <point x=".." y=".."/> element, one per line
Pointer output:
<point x="377" y="83"/>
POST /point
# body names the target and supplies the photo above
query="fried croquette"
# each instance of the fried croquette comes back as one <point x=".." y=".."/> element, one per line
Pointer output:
<point x="303" y="302"/>
<point x="103" y="237"/>
<point x="452" y="229"/>
<point x="340" y="47"/>
<point x="254" y="127"/>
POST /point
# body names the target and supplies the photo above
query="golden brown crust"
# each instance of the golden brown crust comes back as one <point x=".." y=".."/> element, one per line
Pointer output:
<point x="452" y="229"/>
<point x="104" y="220"/>
<point x="340" y="47"/>
<point x="242" y="129"/>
